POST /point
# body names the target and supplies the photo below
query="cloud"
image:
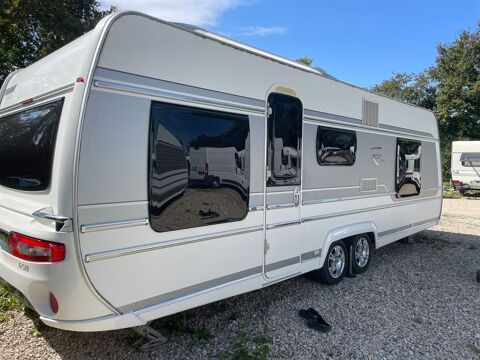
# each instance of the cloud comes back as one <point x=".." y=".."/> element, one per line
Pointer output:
<point x="262" y="30"/>
<point x="195" y="12"/>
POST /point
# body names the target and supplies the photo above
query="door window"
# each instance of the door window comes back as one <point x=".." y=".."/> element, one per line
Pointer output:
<point x="284" y="139"/>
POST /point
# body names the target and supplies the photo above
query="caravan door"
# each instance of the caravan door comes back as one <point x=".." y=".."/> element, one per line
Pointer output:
<point x="282" y="218"/>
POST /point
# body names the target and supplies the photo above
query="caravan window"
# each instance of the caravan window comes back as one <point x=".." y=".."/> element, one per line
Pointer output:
<point x="199" y="167"/>
<point x="336" y="147"/>
<point x="284" y="139"/>
<point x="27" y="142"/>
<point x="408" y="182"/>
<point x="470" y="159"/>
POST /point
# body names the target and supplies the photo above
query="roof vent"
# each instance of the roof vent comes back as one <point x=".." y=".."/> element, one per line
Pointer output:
<point x="369" y="113"/>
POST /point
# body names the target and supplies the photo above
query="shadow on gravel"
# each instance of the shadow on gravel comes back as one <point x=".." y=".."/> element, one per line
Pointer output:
<point x="434" y="237"/>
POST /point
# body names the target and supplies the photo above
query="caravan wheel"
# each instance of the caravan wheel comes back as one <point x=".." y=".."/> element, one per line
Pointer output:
<point x="334" y="267"/>
<point x="362" y="251"/>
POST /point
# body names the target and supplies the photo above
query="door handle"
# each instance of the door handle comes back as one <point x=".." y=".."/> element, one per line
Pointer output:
<point x="296" y="196"/>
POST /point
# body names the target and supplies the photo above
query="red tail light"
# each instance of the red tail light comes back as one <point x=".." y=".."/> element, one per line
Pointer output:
<point x="31" y="249"/>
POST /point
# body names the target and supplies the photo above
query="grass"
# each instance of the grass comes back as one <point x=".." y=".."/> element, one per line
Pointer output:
<point x="8" y="301"/>
<point x="247" y="348"/>
<point x="179" y="324"/>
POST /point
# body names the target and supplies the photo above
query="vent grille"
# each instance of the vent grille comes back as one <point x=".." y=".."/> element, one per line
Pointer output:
<point x="369" y="113"/>
<point x="368" y="185"/>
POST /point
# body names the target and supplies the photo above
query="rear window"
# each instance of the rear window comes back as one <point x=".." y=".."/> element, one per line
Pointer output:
<point x="27" y="141"/>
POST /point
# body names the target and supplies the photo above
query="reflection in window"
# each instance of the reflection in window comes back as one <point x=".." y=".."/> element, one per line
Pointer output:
<point x="27" y="142"/>
<point x="200" y="167"/>
<point x="336" y="147"/>
<point x="470" y="159"/>
<point x="408" y="167"/>
<point x="284" y="139"/>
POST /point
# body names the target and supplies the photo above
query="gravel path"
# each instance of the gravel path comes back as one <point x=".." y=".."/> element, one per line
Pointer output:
<point x="417" y="300"/>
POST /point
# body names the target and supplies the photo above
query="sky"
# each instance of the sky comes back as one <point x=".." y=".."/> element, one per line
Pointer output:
<point x="358" y="41"/>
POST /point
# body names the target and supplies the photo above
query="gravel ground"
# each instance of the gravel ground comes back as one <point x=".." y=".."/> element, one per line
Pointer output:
<point x="417" y="300"/>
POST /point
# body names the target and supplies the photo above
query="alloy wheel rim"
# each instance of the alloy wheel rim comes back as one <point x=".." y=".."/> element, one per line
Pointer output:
<point x="362" y="252"/>
<point x="336" y="261"/>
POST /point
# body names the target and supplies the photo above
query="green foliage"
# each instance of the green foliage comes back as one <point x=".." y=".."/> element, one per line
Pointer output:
<point x="8" y="301"/>
<point x="243" y="350"/>
<point x="451" y="88"/>
<point x="306" y="60"/>
<point x="32" y="29"/>
<point x="179" y="324"/>
<point x="416" y="89"/>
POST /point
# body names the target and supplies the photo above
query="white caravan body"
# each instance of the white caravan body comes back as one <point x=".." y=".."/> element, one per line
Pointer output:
<point x="465" y="165"/>
<point x="121" y="236"/>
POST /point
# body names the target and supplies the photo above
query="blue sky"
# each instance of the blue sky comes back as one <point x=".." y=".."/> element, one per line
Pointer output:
<point x="361" y="42"/>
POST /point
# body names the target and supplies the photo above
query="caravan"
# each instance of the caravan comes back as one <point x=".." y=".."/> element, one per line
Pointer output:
<point x="150" y="167"/>
<point x="465" y="165"/>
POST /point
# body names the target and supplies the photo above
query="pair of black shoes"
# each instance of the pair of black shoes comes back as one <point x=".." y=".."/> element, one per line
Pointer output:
<point x="315" y="320"/>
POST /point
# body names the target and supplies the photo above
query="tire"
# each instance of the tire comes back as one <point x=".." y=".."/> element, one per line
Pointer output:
<point x="335" y="266"/>
<point x="362" y="253"/>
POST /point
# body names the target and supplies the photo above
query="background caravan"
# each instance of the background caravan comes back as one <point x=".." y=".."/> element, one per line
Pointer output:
<point x="160" y="167"/>
<point x="466" y="165"/>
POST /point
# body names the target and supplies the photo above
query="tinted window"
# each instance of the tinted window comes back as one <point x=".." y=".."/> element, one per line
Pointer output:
<point x="284" y="139"/>
<point x="470" y="159"/>
<point x="27" y="141"/>
<point x="199" y="167"/>
<point x="336" y="147"/>
<point x="409" y="153"/>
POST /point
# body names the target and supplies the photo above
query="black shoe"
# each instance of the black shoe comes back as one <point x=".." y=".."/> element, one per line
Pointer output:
<point x="315" y="320"/>
<point x="319" y="324"/>
<point x="308" y="314"/>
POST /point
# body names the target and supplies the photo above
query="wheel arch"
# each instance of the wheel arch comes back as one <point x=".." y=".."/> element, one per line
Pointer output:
<point x="346" y="232"/>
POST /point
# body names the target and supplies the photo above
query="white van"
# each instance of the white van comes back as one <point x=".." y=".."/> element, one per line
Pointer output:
<point x="102" y="223"/>
<point x="465" y="166"/>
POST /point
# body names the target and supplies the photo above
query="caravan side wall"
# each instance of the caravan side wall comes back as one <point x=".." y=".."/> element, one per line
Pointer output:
<point x="192" y="266"/>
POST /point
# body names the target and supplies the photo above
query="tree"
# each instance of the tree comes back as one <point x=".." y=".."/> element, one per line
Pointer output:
<point x="32" y="29"/>
<point x="416" y="89"/>
<point x="306" y="60"/>
<point x="451" y="88"/>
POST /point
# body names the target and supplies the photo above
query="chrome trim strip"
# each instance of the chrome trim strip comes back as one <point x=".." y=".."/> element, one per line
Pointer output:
<point x="395" y="230"/>
<point x="406" y="227"/>
<point x="109" y="225"/>
<point x="282" y="278"/>
<point x="383" y="128"/>
<point x="36" y="99"/>
<point x="321" y="201"/>
<point x="404" y="130"/>
<point x="165" y="244"/>
<point x="311" y="255"/>
<point x="282" y="224"/>
<point x="190" y="291"/>
<point x="280" y="206"/>
<point x="323" y="116"/>
<point x="281" y="264"/>
<point x="373" y="208"/>
<point x="428" y="221"/>
<point x="140" y="90"/>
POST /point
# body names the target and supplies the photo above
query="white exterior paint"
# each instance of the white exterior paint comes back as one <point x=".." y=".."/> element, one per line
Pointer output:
<point x="124" y="274"/>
